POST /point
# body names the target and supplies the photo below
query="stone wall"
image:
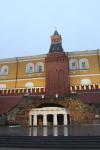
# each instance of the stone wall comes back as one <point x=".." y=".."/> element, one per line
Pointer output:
<point x="79" y="111"/>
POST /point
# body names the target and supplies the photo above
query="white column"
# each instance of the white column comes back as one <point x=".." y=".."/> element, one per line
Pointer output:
<point x="65" y="120"/>
<point x="55" y="123"/>
<point x="35" y="120"/>
<point x="44" y="120"/>
<point x="30" y="120"/>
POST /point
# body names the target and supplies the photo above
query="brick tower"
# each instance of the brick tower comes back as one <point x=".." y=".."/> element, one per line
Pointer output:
<point x="57" y="79"/>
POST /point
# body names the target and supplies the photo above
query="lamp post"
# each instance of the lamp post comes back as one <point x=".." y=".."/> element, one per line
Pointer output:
<point x="56" y="95"/>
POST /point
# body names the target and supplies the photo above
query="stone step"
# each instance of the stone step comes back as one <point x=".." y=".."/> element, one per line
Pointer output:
<point x="51" y="142"/>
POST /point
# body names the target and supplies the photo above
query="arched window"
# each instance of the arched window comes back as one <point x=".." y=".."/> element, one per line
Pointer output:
<point x="2" y="86"/>
<point x="73" y="64"/>
<point x="40" y="67"/>
<point x="4" y="70"/>
<point x="86" y="82"/>
<point x="84" y="64"/>
<point x="29" y="68"/>
<point x="29" y="85"/>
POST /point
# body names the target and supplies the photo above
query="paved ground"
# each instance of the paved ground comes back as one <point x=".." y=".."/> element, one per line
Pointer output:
<point x="39" y="149"/>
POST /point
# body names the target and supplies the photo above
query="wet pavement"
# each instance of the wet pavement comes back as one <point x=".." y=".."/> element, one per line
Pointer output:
<point x="79" y="130"/>
<point x="39" y="149"/>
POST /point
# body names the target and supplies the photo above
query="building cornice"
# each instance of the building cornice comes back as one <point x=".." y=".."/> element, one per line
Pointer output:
<point x="83" y="53"/>
<point x="21" y="59"/>
<point x="42" y="56"/>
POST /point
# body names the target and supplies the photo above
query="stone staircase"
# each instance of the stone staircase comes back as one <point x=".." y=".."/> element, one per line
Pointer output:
<point x="70" y="142"/>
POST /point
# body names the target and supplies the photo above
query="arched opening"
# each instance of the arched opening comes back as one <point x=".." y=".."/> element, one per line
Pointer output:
<point x="39" y="120"/>
<point x="50" y="120"/>
<point x="68" y="118"/>
<point x="50" y="105"/>
<point x="39" y="67"/>
<point x="60" y="119"/>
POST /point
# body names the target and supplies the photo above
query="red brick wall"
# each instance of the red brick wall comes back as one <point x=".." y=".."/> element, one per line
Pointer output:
<point x="92" y="97"/>
<point x="57" y="81"/>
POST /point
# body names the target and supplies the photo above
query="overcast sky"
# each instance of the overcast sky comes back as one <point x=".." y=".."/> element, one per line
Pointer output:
<point x="26" y="25"/>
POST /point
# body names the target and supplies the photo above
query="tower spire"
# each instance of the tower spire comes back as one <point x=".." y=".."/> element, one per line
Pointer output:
<point x="56" y="43"/>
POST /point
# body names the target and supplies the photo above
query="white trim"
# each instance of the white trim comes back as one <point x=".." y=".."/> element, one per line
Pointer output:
<point x="26" y="58"/>
<point x="73" y="55"/>
<point x="83" y="53"/>
<point x="1" y="81"/>
<point x="22" y="79"/>
<point x="31" y="59"/>
<point x="35" y="87"/>
<point x="85" y="75"/>
<point x="8" y="62"/>
<point x="26" y="87"/>
<point x="31" y="79"/>
<point x="42" y="56"/>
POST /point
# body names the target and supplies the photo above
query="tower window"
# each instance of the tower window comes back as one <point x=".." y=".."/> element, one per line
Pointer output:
<point x="55" y="40"/>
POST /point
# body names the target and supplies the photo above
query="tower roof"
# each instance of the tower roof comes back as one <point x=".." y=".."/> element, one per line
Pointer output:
<point x="56" y="48"/>
<point x="56" y="32"/>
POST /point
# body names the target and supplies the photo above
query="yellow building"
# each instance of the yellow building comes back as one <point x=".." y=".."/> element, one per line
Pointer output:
<point x="29" y="72"/>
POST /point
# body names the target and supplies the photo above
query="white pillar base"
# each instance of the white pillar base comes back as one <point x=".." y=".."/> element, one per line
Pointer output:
<point x="45" y="131"/>
<point x="65" y="131"/>
<point x="55" y="131"/>
<point x="35" y="131"/>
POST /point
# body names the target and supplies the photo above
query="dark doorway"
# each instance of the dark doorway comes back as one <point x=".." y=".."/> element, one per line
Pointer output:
<point x="68" y="118"/>
<point x="50" y="120"/>
<point x="40" y="120"/>
<point x="60" y="119"/>
<point x="32" y="117"/>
